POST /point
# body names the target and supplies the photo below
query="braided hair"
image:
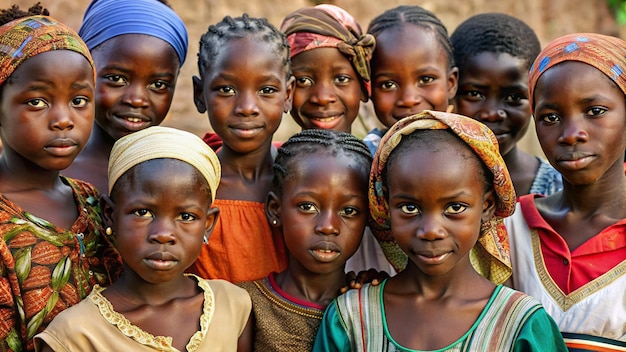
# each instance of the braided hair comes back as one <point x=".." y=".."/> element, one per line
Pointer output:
<point x="318" y="141"/>
<point x="494" y="33"/>
<point x="401" y="15"/>
<point x="240" y="27"/>
<point x="14" y="12"/>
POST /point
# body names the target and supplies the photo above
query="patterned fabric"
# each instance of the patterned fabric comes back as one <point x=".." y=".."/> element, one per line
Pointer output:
<point x="94" y="325"/>
<point x="511" y="321"/>
<point x="159" y="142"/>
<point x="547" y="180"/>
<point x="105" y="19"/>
<point x="283" y="323"/>
<point x="595" y="309"/>
<point x="490" y="255"/>
<point x="46" y="269"/>
<point x="329" y="26"/>
<point x="372" y="139"/>
<point x="242" y="246"/>
<point x="26" y="37"/>
<point x="605" y="53"/>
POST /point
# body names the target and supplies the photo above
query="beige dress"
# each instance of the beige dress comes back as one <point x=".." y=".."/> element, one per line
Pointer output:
<point x="93" y="325"/>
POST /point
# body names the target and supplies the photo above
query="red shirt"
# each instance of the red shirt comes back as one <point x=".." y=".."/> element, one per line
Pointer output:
<point x="571" y="270"/>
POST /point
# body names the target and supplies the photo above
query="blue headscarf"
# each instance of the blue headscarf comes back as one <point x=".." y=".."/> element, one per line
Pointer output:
<point x="105" y="19"/>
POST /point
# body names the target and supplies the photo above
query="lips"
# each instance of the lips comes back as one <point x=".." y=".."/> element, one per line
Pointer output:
<point x="161" y="261"/>
<point x="575" y="160"/>
<point x="62" y="147"/>
<point x="325" y="251"/>
<point x="133" y="122"/>
<point x="245" y="130"/>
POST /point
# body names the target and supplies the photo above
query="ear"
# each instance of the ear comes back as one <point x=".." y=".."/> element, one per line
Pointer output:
<point x="108" y="207"/>
<point x="489" y="206"/>
<point x="289" y="88"/>
<point x="453" y="82"/>
<point x="211" y="219"/>
<point x="272" y="209"/>
<point x="198" y="94"/>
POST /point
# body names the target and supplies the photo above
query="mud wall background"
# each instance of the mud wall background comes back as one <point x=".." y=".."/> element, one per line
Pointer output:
<point x="549" y="19"/>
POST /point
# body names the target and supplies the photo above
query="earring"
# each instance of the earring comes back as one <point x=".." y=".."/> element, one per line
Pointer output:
<point x="274" y="222"/>
<point x="205" y="239"/>
<point x="108" y="231"/>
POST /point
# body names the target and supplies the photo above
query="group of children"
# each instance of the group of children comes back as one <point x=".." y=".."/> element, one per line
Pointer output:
<point x="235" y="242"/>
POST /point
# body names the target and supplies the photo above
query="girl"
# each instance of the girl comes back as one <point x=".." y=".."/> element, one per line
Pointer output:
<point x="439" y="302"/>
<point x="568" y="250"/>
<point x="330" y="61"/>
<point x="162" y="183"/>
<point x="139" y="48"/>
<point x="412" y="67"/>
<point x="52" y="250"/>
<point x="319" y="204"/>
<point x="244" y="86"/>
<point x="494" y="52"/>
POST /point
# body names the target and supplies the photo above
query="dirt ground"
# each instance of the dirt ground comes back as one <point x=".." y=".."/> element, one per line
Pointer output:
<point x="549" y="19"/>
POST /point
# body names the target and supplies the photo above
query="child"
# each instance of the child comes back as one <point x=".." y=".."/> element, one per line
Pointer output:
<point x="319" y="204"/>
<point x="162" y="182"/>
<point x="439" y="302"/>
<point x="244" y="86"/>
<point x="412" y="67"/>
<point x="330" y="60"/>
<point x="52" y="250"/>
<point x="493" y="52"/>
<point x="568" y="250"/>
<point x="139" y="47"/>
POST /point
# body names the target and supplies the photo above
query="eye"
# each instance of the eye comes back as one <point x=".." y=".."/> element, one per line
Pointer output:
<point x="268" y="90"/>
<point x="514" y="99"/>
<point x="79" y="102"/>
<point x="307" y="207"/>
<point x="426" y="80"/>
<point x="37" y="103"/>
<point x="302" y="82"/>
<point x="349" y="212"/>
<point x="596" y="111"/>
<point x="408" y="208"/>
<point x="388" y="85"/>
<point x="226" y="90"/>
<point x="186" y="217"/>
<point x="143" y="213"/>
<point x="472" y="95"/>
<point x="342" y="79"/>
<point x="159" y="85"/>
<point x="455" y="208"/>
<point x="549" y="118"/>
<point x="116" y="79"/>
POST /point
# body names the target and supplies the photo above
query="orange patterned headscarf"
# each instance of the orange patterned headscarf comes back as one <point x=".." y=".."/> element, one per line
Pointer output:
<point x="491" y="255"/>
<point x="26" y="37"/>
<point x="329" y="26"/>
<point x="605" y="53"/>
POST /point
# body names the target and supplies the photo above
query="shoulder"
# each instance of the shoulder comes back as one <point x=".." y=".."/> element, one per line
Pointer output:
<point x="81" y="187"/>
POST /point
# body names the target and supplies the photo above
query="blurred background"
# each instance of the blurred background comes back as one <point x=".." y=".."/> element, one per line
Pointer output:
<point x="549" y="19"/>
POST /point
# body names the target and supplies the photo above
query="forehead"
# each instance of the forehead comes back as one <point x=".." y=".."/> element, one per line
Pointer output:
<point x="142" y="49"/>
<point x="320" y="59"/>
<point x="250" y="54"/>
<point x="54" y="66"/>
<point x="409" y="44"/>
<point x="504" y="64"/>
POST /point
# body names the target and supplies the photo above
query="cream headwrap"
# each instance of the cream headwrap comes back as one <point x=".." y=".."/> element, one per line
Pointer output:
<point x="159" y="142"/>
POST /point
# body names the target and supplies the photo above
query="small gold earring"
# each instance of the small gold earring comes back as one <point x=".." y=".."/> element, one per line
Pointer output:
<point x="108" y="231"/>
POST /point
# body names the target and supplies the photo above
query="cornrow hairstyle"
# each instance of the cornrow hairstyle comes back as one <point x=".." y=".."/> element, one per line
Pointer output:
<point x="418" y="16"/>
<point x="317" y="141"/>
<point x="218" y="35"/>
<point x="14" y="12"/>
<point x="494" y="33"/>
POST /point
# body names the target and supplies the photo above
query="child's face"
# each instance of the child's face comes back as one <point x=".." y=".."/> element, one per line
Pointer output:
<point x="47" y="109"/>
<point x="322" y="211"/>
<point x="328" y="90"/>
<point x="136" y="77"/>
<point x="493" y="89"/>
<point x="410" y="74"/>
<point x="159" y="218"/>
<point x="581" y="122"/>
<point x="245" y="92"/>
<point x="437" y="225"/>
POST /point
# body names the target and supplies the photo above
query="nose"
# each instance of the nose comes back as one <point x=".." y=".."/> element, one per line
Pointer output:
<point x="162" y="232"/>
<point x="62" y="119"/>
<point x="492" y="111"/>
<point x="136" y="95"/>
<point x="327" y="224"/>
<point x="247" y="104"/>
<point x="573" y="131"/>
<point x="430" y="229"/>
<point x="409" y="97"/>
<point x="323" y="93"/>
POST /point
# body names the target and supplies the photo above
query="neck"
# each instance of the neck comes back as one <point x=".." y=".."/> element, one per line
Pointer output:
<point x="135" y="291"/>
<point x="18" y="175"/>
<point x="313" y="287"/>
<point x="100" y="143"/>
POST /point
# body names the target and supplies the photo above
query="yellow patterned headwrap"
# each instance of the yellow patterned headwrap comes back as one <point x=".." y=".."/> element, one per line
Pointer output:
<point x="26" y="37"/>
<point x="491" y="254"/>
<point x="158" y="142"/>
